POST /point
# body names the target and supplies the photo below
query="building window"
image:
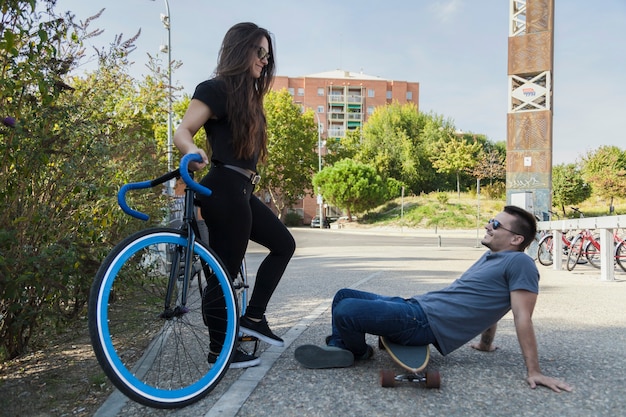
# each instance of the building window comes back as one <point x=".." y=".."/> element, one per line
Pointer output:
<point x="291" y="91"/>
<point x="320" y="91"/>
<point x="389" y="95"/>
<point x="320" y="109"/>
<point x="370" y="93"/>
<point x="409" y="95"/>
<point x="370" y="110"/>
<point x="300" y="91"/>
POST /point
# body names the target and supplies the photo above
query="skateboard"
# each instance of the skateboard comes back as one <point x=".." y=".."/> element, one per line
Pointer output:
<point x="413" y="359"/>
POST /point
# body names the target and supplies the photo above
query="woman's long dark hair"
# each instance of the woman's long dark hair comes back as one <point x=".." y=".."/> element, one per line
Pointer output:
<point x="245" y="93"/>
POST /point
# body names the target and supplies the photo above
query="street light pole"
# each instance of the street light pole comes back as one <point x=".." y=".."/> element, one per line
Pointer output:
<point x="319" y="157"/>
<point x="166" y="19"/>
<point x="167" y="22"/>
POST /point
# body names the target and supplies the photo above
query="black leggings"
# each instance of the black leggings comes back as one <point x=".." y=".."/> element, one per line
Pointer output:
<point x="234" y="216"/>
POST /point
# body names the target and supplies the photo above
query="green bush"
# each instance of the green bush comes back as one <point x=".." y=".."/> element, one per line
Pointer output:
<point x="64" y="156"/>
<point x="293" y="219"/>
<point x="443" y="198"/>
<point x="495" y="191"/>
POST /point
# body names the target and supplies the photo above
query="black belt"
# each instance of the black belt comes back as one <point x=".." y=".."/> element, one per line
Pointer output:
<point x="251" y="175"/>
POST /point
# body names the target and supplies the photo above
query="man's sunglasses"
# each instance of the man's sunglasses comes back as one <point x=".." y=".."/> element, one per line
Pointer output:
<point x="495" y="224"/>
<point x="262" y="54"/>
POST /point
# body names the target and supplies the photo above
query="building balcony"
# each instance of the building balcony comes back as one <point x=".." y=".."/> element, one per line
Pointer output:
<point x="336" y="133"/>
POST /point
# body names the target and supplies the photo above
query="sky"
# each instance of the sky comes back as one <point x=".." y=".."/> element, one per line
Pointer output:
<point x="456" y="49"/>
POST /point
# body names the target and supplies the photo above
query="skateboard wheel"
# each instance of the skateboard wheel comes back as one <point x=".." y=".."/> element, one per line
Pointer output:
<point x="387" y="379"/>
<point x="433" y="379"/>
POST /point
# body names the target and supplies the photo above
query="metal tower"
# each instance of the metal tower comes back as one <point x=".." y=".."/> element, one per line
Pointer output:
<point x="529" y="119"/>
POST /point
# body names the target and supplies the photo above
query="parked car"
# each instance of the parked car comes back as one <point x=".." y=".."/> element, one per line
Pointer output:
<point x="315" y="222"/>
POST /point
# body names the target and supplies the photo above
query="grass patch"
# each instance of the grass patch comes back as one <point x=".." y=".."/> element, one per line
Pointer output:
<point x="434" y="210"/>
<point x="450" y="211"/>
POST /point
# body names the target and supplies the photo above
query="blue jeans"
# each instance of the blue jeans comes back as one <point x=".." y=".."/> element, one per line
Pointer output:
<point x="355" y="313"/>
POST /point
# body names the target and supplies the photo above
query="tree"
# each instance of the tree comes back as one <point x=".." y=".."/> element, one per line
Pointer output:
<point x="605" y="170"/>
<point x="345" y="148"/>
<point x="352" y="186"/>
<point x="390" y="143"/>
<point x="490" y="164"/>
<point x="454" y="156"/>
<point x="73" y="142"/>
<point x="568" y="186"/>
<point x="292" y="140"/>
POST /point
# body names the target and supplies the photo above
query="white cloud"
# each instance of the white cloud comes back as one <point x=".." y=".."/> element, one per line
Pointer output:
<point x="447" y="10"/>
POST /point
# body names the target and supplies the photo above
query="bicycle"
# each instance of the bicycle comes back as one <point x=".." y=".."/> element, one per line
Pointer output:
<point x="620" y="254"/>
<point x="147" y="321"/>
<point x="591" y="250"/>
<point x="588" y="244"/>
<point x="545" y="247"/>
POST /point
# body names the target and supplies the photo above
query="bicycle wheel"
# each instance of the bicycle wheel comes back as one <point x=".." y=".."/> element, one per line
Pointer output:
<point x="575" y="251"/>
<point x="149" y="336"/>
<point x="592" y="253"/>
<point x="620" y="255"/>
<point x="545" y="249"/>
<point x="532" y="249"/>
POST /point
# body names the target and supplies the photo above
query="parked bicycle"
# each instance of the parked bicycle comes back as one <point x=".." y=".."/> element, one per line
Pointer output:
<point x="545" y="247"/>
<point x="147" y="321"/>
<point x="591" y="249"/>
<point x="587" y="244"/>
<point x="620" y="254"/>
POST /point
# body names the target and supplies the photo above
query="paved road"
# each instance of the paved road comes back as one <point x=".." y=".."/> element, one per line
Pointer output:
<point x="580" y="323"/>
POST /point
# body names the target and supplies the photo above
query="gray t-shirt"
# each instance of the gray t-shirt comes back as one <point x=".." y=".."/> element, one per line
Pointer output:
<point x="479" y="298"/>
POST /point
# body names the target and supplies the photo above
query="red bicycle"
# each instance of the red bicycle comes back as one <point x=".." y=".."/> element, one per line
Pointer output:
<point x="588" y="244"/>
<point x="545" y="246"/>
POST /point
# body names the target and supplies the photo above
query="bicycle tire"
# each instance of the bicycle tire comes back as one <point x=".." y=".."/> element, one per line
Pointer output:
<point x="157" y="359"/>
<point x="575" y="251"/>
<point x="545" y="249"/>
<point x="620" y="255"/>
<point x="592" y="254"/>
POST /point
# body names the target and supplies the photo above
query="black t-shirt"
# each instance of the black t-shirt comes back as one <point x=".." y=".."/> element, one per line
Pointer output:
<point x="213" y="94"/>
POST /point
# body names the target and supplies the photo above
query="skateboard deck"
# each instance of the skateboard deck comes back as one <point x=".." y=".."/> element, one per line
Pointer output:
<point x="413" y="359"/>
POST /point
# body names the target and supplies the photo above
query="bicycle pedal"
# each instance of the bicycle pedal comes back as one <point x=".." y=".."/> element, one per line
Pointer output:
<point x="240" y="286"/>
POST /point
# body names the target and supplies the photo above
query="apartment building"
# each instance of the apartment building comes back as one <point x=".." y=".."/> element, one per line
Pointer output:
<point x="342" y="101"/>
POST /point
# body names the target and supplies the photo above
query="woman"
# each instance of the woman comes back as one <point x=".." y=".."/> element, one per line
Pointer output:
<point x="230" y="107"/>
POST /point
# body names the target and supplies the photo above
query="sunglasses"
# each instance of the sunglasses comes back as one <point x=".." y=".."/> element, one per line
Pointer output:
<point x="262" y="54"/>
<point x="495" y="224"/>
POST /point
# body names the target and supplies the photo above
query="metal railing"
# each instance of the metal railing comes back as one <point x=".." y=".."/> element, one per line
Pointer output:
<point x="603" y="225"/>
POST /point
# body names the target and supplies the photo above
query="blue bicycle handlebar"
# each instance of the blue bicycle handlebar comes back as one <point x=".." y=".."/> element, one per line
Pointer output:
<point x="121" y="198"/>
<point x="184" y="173"/>
<point x="180" y="172"/>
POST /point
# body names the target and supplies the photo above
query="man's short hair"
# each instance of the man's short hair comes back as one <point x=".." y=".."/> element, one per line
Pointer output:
<point x="524" y="224"/>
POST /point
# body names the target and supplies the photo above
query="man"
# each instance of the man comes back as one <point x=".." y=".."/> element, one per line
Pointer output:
<point x="503" y="279"/>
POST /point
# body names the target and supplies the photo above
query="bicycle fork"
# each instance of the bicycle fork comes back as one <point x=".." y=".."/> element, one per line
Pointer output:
<point x="175" y="279"/>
